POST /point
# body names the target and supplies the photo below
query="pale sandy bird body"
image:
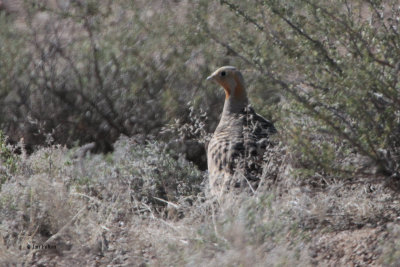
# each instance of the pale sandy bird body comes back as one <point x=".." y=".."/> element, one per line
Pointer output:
<point x="240" y="139"/>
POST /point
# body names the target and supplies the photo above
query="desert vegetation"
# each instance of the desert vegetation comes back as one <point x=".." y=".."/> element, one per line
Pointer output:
<point x="105" y="114"/>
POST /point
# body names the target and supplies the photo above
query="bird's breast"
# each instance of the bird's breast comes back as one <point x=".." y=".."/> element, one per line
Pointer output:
<point x="225" y="148"/>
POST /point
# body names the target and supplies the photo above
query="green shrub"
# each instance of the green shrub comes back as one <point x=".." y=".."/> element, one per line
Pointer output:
<point x="80" y="73"/>
<point x="338" y="69"/>
<point x="8" y="160"/>
<point x="91" y="72"/>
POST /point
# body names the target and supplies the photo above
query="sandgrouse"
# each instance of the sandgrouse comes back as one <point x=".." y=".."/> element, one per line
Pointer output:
<point x="239" y="141"/>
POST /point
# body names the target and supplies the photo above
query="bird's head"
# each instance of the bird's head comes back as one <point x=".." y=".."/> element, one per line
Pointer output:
<point x="231" y="80"/>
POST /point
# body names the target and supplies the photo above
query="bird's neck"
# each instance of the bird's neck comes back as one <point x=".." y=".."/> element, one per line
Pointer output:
<point x="236" y="102"/>
<point x="235" y="95"/>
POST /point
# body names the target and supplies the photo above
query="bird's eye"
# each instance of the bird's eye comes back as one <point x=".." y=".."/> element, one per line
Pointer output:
<point x="223" y="73"/>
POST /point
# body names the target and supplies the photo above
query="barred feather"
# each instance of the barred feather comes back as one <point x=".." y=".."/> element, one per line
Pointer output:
<point x="236" y="149"/>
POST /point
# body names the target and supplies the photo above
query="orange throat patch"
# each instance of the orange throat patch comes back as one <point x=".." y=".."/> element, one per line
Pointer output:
<point x="239" y="92"/>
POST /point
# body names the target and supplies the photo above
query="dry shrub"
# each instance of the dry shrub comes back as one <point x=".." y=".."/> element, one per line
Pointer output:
<point x="144" y="205"/>
<point x="90" y="72"/>
<point x="71" y="200"/>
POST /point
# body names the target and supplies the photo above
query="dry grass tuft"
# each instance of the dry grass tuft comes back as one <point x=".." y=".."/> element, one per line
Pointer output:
<point x="144" y="205"/>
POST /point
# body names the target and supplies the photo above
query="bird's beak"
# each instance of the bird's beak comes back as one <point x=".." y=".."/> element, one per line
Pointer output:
<point x="210" y="77"/>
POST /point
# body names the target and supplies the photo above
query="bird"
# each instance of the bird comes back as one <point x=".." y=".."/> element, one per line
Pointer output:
<point x="237" y="146"/>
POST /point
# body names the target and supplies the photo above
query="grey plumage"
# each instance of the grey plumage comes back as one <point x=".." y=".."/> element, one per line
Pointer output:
<point x="240" y="139"/>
